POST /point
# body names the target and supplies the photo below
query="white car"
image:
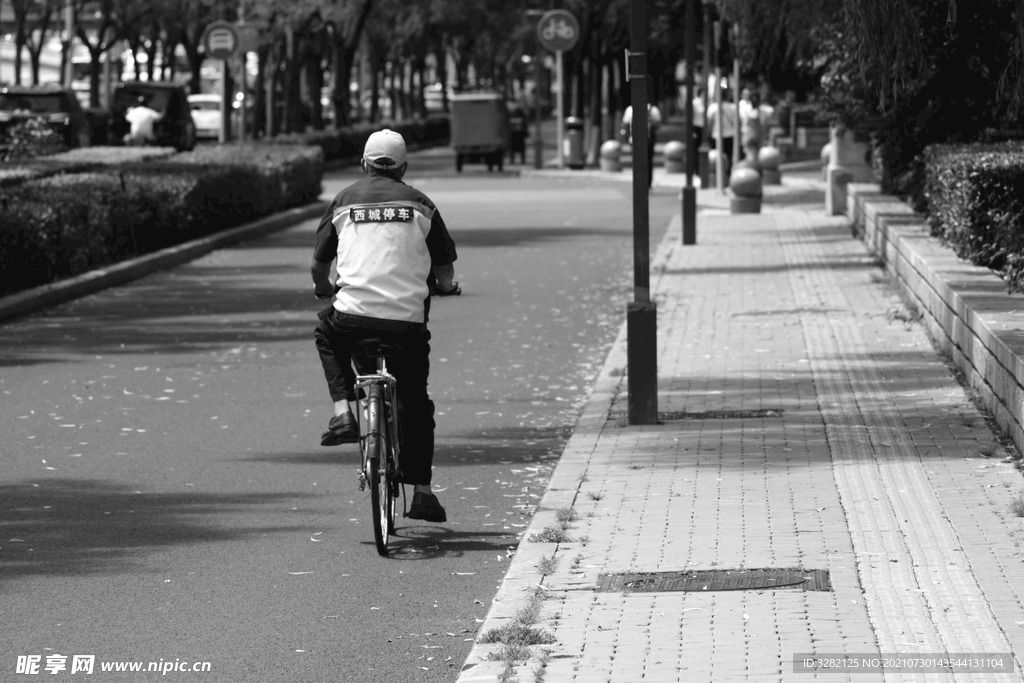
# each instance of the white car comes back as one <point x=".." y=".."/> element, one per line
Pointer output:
<point x="206" y="114"/>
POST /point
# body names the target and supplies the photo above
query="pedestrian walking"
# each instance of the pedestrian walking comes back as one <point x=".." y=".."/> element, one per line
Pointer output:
<point x="519" y="130"/>
<point x="726" y="122"/>
<point x="653" y="124"/>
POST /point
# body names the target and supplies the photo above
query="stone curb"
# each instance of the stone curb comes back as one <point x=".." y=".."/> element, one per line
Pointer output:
<point x="523" y="576"/>
<point x="62" y="291"/>
<point x="966" y="309"/>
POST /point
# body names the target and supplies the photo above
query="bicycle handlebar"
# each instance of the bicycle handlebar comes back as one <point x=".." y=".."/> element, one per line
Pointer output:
<point x="454" y="291"/>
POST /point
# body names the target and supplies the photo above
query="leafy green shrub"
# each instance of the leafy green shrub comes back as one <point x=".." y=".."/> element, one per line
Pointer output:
<point x="953" y="95"/>
<point x="30" y="138"/>
<point x="82" y="160"/>
<point x="59" y="226"/>
<point x="975" y="203"/>
<point x="110" y="156"/>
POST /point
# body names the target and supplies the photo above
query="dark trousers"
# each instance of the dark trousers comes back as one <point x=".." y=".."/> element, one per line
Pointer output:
<point x="334" y="340"/>
<point x="698" y="138"/>
<point x="650" y="160"/>
<point x="726" y="146"/>
<point x="517" y="146"/>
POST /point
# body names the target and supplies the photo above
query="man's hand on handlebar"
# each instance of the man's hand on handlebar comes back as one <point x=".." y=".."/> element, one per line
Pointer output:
<point x="454" y="291"/>
<point x="326" y="292"/>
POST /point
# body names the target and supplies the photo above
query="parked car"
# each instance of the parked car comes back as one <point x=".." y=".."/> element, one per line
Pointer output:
<point x="176" y="128"/>
<point x="56" y="105"/>
<point x="206" y="114"/>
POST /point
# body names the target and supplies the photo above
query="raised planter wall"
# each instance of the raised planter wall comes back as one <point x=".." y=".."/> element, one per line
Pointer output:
<point x="965" y="308"/>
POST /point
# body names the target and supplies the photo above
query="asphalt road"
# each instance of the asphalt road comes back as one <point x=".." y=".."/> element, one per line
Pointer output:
<point x="165" y="498"/>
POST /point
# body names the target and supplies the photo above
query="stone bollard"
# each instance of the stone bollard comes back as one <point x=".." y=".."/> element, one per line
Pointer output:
<point x="611" y="151"/>
<point x="713" y="165"/>
<point x="745" y="183"/>
<point x="675" y="157"/>
<point x="826" y="154"/>
<point x="769" y="158"/>
<point x="849" y="162"/>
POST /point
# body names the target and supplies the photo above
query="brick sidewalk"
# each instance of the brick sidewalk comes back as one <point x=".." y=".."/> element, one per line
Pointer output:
<point x="807" y="423"/>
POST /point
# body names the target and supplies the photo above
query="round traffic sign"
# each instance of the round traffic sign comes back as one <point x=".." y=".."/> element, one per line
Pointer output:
<point x="221" y="40"/>
<point x="558" y="30"/>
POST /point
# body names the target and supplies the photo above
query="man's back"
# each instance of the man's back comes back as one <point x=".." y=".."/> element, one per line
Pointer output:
<point x="386" y="236"/>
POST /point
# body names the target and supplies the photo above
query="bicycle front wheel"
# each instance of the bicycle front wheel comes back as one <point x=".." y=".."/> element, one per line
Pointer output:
<point x="375" y="452"/>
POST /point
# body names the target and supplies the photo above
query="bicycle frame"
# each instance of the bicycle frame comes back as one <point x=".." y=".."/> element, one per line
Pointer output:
<point x="378" y="428"/>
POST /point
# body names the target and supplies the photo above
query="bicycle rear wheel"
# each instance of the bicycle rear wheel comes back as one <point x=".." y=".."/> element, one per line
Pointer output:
<point x="377" y="463"/>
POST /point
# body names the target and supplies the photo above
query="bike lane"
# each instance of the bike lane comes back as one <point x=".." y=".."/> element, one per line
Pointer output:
<point x="165" y="499"/>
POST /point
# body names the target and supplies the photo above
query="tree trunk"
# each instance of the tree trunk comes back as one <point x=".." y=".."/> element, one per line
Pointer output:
<point x="374" y="87"/>
<point x="151" y="50"/>
<point x="595" y="129"/>
<point x="259" y="114"/>
<point x="270" y="76"/>
<point x="418" y="98"/>
<point x="342" y="76"/>
<point x="288" y="90"/>
<point x="19" y="43"/>
<point x="442" y="75"/>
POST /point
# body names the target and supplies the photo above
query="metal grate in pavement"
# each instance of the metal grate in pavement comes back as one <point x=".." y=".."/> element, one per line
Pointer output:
<point x="706" y="415"/>
<point x="715" y="580"/>
<point x="721" y="414"/>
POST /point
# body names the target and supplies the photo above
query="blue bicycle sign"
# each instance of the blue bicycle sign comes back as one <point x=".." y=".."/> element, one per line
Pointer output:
<point x="558" y="30"/>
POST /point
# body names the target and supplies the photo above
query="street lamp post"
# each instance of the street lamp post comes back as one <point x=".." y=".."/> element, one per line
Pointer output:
<point x="641" y="314"/>
<point x="538" y="147"/>
<point x="690" y="192"/>
<point x="734" y="47"/>
<point x="705" y="142"/>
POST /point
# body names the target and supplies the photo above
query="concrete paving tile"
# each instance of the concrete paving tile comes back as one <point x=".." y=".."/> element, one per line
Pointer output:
<point x="863" y="473"/>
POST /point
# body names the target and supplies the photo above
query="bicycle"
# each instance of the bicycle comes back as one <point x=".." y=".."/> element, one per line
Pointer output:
<point x="379" y="442"/>
<point x="379" y="435"/>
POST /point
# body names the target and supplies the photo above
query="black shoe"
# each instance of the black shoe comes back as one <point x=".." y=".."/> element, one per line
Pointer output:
<point x="342" y="429"/>
<point x="425" y="506"/>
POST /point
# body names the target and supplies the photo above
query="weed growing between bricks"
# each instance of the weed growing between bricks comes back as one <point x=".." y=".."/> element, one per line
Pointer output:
<point x="557" y="533"/>
<point x="516" y="638"/>
<point x="1017" y="506"/>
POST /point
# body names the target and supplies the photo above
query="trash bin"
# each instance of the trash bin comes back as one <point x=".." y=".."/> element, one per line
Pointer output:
<point x="573" y="143"/>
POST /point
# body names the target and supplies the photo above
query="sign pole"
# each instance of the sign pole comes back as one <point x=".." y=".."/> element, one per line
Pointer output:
<point x="538" y="145"/>
<point x="560" y="104"/>
<point x="690" y="192"/>
<point x="222" y="41"/>
<point x="558" y="31"/>
<point x="225" y="110"/>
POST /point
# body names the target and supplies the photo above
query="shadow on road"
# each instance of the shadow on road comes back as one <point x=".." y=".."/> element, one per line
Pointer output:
<point x="415" y="540"/>
<point x="72" y="527"/>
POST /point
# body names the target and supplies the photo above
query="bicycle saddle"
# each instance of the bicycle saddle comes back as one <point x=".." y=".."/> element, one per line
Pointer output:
<point x="376" y="348"/>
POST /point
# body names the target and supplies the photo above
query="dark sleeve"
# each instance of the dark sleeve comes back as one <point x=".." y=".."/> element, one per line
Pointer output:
<point x="440" y="243"/>
<point x="326" y="247"/>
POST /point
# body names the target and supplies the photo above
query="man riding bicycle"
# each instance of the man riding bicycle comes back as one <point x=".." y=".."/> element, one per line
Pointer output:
<point x="393" y="251"/>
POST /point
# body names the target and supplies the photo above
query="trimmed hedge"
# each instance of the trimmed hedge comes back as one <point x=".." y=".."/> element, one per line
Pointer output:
<point x="29" y="138"/>
<point x="83" y="160"/>
<point x="65" y="214"/>
<point x="348" y="142"/>
<point x="63" y="225"/>
<point x="975" y="203"/>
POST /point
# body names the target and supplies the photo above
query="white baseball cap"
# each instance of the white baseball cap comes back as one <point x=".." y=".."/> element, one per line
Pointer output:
<point x="385" y="149"/>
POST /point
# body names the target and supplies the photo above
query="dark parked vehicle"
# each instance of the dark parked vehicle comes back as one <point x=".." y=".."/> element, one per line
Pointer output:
<point x="175" y="127"/>
<point x="57" y="106"/>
